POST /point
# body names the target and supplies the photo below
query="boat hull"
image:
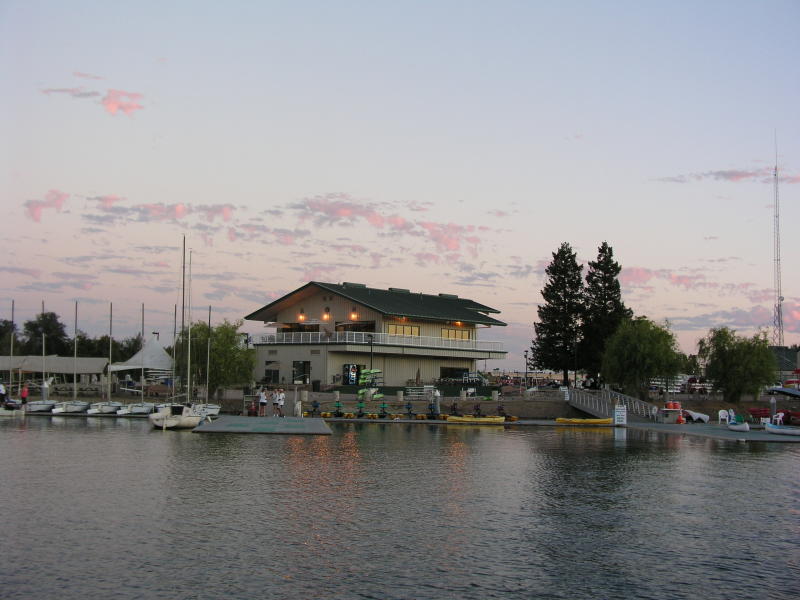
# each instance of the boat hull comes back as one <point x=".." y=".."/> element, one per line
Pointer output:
<point x="468" y="419"/>
<point x="781" y="429"/>
<point x="738" y="427"/>
<point x="176" y="416"/>
<point x="39" y="406"/>
<point x="566" y="421"/>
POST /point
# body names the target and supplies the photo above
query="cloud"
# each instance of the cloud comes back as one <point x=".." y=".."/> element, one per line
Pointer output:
<point x="77" y="92"/>
<point x="86" y="75"/>
<point x="762" y="174"/>
<point x="120" y="100"/>
<point x="225" y="211"/>
<point x="79" y="281"/>
<point x="53" y="199"/>
<point x="35" y="273"/>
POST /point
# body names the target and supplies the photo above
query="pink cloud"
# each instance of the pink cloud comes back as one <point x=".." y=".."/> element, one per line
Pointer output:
<point x="165" y="211"/>
<point x="107" y="202"/>
<point x="120" y="100"/>
<point x="217" y="210"/>
<point x="53" y="199"/>
<point x="425" y="258"/>
<point x="635" y="275"/>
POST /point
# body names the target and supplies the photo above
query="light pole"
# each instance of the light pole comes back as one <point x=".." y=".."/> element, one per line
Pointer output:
<point x="370" y="338"/>
<point x="525" y="384"/>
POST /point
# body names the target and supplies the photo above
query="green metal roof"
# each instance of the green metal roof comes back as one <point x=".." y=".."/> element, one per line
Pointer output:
<point x="394" y="301"/>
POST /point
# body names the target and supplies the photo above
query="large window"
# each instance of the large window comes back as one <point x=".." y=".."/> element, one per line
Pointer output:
<point x="403" y="329"/>
<point x="457" y="334"/>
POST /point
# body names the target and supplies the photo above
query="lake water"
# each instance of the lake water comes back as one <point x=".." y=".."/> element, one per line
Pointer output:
<point x="102" y="508"/>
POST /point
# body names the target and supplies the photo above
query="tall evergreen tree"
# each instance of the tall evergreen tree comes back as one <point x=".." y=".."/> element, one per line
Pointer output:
<point x="558" y="330"/>
<point x="604" y="309"/>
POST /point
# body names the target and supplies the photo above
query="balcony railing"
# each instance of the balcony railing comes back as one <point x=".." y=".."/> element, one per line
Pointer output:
<point x="377" y="339"/>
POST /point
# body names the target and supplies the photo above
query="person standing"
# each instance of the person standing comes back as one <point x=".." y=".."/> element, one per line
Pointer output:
<point x="2" y="393"/>
<point x="23" y="394"/>
<point x="281" y="401"/>
<point x="275" y="394"/>
<point x="262" y="403"/>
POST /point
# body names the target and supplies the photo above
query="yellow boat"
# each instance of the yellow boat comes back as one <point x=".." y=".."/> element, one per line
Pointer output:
<point x="470" y="419"/>
<point x="564" y="421"/>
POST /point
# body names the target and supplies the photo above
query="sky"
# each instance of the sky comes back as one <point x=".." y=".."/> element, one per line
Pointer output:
<point x="439" y="146"/>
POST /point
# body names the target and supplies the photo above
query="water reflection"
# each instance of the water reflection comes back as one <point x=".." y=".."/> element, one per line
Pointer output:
<point x="392" y="511"/>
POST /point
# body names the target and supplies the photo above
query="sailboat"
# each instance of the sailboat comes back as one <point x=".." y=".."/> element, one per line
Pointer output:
<point x="174" y="415"/>
<point x="107" y="407"/>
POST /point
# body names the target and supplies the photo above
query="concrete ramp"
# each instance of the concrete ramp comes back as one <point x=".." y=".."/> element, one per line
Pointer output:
<point x="269" y="425"/>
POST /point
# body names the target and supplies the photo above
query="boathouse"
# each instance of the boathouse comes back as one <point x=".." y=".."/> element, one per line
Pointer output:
<point x="326" y="333"/>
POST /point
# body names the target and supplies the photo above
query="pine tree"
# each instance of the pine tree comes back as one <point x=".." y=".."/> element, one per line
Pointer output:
<point x="558" y="330"/>
<point x="603" y="309"/>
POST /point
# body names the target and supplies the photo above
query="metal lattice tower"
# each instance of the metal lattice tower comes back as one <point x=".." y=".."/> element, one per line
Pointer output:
<point x="777" y="319"/>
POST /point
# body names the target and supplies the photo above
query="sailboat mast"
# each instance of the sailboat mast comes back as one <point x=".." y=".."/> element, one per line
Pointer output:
<point x="142" y="352"/>
<point x="110" y="338"/>
<point x="183" y="290"/>
<point x="174" y="353"/>
<point x="10" y="362"/>
<point x="208" y="351"/>
<point x="189" y="342"/>
<point x="75" y="358"/>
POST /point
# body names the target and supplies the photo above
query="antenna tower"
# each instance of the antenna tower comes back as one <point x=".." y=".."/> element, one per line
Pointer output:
<point x="777" y="319"/>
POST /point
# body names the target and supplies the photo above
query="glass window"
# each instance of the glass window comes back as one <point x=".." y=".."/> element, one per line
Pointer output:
<point x="394" y="329"/>
<point x="457" y="334"/>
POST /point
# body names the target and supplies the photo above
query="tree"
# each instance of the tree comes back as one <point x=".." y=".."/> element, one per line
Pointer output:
<point x="638" y="351"/>
<point x="737" y="364"/>
<point x="6" y="330"/>
<point x="56" y="340"/>
<point x="231" y="362"/>
<point x="558" y="330"/>
<point x="604" y="309"/>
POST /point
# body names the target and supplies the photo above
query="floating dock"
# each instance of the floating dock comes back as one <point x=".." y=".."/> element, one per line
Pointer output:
<point x="270" y="425"/>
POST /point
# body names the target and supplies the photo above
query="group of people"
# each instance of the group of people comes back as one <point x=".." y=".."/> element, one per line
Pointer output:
<point x="278" y="398"/>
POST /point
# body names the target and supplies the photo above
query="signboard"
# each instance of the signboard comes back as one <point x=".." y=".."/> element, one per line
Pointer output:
<point x="620" y="415"/>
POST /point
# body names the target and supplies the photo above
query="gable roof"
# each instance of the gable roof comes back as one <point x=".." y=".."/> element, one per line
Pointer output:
<point x="394" y="301"/>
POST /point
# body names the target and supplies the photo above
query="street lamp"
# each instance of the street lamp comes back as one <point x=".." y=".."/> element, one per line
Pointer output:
<point x="526" y="369"/>
<point x="370" y="338"/>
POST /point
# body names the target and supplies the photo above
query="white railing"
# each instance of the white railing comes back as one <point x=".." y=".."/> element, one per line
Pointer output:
<point x="602" y="404"/>
<point x="377" y="339"/>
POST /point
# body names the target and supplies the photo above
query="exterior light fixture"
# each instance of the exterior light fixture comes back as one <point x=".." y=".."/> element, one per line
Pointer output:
<point x="301" y="316"/>
<point x="353" y="314"/>
<point x="327" y="314"/>
<point x="458" y="323"/>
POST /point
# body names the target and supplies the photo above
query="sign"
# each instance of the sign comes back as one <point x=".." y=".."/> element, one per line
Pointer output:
<point x="620" y="415"/>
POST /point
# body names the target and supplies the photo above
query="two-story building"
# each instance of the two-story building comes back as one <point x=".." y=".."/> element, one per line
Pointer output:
<point x="327" y="333"/>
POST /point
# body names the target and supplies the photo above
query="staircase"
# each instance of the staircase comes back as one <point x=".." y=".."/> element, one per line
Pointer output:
<point x="601" y="404"/>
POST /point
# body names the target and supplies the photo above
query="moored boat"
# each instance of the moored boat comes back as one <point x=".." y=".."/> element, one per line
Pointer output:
<point x="40" y="406"/>
<point x="104" y="408"/>
<point x="211" y="410"/>
<point x="176" y="416"/>
<point x="136" y="408"/>
<point x="566" y="421"/>
<point x="781" y="429"/>
<point x="70" y="407"/>
<point x="471" y="419"/>
<point x="735" y="426"/>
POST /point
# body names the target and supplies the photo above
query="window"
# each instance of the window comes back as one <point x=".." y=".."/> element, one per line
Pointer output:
<point x="403" y="329"/>
<point x="457" y="334"/>
<point x="271" y="376"/>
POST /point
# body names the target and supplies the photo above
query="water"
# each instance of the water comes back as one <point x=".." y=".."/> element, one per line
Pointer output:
<point x="111" y="508"/>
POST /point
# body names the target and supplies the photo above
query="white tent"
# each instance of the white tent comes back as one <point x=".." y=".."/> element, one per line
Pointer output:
<point x="151" y="356"/>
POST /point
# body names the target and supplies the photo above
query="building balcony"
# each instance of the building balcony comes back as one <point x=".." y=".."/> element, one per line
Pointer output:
<point x="379" y="341"/>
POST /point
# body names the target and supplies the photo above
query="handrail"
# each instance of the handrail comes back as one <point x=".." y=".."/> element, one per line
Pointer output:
<point x="377" y="339"/>
<point x="602" y="404"/>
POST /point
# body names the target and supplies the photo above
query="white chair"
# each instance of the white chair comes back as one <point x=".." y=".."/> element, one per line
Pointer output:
<point x="723" y="417"/>
<point x="778" y="419"/>
<point x="764" y="420"/>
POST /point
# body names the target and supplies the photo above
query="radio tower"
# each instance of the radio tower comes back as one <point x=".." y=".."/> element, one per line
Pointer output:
<point x="777" y="319"/>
